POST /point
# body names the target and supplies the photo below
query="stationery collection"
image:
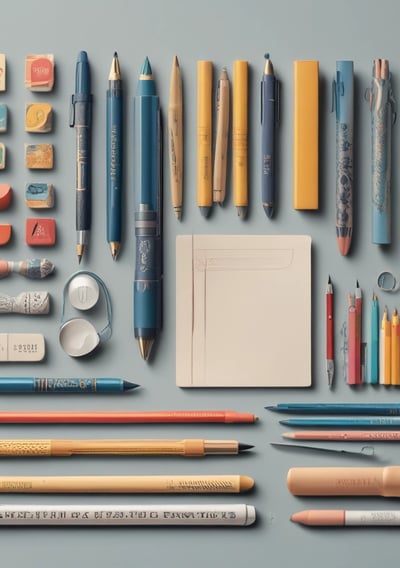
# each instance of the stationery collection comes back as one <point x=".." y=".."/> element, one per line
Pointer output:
<point x="210" y="324"/>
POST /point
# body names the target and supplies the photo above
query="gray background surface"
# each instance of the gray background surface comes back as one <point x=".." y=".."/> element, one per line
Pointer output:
<point x="221" y="31"/>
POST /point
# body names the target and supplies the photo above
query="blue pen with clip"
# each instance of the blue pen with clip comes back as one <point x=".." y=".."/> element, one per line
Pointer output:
<point x="340" y="408"/>
<point x="147" y="291"/>
<point x="23" y="385"/>
<point x="382" y="117"/>
<point x="269" y="119"/>
<point x="343" y="91"/>
<point x="81" y="120"/>
<point x="114" y="157"/>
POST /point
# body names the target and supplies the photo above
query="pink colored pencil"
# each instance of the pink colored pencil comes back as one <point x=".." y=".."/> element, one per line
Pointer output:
<point x="345" y="436"/>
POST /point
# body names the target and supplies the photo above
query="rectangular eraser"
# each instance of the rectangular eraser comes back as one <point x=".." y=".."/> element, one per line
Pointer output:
<point x="2" y="72"/>
<point x="39" y="156"/>
<point x="39" y="72"/>
<point x="21" y="347"/>
<point x="305" y="167"/>
<point x="39" y="195"/>
<point x="3" y="117"/>
<point x="40" y="232"/>
<point x="38" y="117"/>
<point x="2" y="156"/>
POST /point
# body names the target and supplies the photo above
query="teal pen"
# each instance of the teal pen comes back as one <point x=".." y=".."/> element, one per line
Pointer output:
<point x="23" y="385"/>
<point x="147" y="288"/>
<point x="343" y="91"/>
<point x="385" y="422"/>
<point x="365" y="408"/>
<point x="114" y="157"/>
<point x="373" y="377"/>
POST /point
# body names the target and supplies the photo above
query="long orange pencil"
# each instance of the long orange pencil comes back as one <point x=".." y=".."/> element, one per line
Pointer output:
<point x="395" y="350"/>
<point x="107" y="417"/>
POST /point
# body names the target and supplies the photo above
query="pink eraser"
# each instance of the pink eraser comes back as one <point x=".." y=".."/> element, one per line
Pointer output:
<point x="39" y="72"/>
<point x="5" y="196"/>
<point x="5" y="234"/>
<point x="40" y="232"/>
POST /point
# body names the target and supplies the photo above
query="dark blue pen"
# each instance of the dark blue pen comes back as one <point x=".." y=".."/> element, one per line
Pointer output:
<point x="81" y="119"/>
<point x="114" y="157"/>
<point x="269" y="115"/>
<point x="64" y="385"/>
<point x="147" y="290"/>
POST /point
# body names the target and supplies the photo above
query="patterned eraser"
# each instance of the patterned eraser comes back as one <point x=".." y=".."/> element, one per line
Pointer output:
<point x="39" y="156"/>
<point x="40" y="232"/>
<point x="5" y="196"/>
<point x="38" y="117"/>
<point x="39" y="72"/>
<point x="39" y="195"/>
<point x="3" y="117"/>
<point x="2" y="156"/>
<point x="2" y="72"/>
<point x="5" y="234"/>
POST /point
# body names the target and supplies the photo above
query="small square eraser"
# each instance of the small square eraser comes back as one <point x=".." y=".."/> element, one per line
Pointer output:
<point x="39" y="195"/>
<point x="5" y="196"/>
<point x="39" y="72"/>
<point x="2" y="156"/>
<point x="39" y="156"/>
<point x="5" y="234"/>
<point x="40" y="232"/>
<point x="2" y="72"/>
<point x="38" y="117"/>
<point x="3" y="117"/>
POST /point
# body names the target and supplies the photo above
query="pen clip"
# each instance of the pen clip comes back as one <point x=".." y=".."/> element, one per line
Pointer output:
<point x="72" y="112"/>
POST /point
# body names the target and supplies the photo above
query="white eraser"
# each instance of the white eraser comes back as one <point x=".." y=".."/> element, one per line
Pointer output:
<point x="21" y="347"/>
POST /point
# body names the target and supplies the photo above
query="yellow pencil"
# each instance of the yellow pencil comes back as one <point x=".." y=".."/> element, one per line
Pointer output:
<point x="204" y="136"/>
<point x="395" y="349"/>
<point x="385" y="345"/>
<point x="127" y="484"/>
<point x="240" y="136"/>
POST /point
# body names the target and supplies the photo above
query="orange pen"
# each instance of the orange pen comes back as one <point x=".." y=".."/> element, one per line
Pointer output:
<point x="385" y="348"/>
<point x="395" y="349"/>
<point x="352" y="369"/>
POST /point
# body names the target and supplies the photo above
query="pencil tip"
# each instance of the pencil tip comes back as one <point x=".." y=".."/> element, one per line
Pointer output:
<point x="242" y="212"/>
<point x="244" y="447"/>
<point x="130" y="386"/>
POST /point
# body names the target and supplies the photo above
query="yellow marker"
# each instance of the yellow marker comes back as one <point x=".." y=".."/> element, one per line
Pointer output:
<point x="305" y="165"/>
<point x="38" y="117"/>
<point x="385" y="345"/>
<point x="395" y="349"/>
<point x="240" y="136"/>
<point x="204" y="136"/>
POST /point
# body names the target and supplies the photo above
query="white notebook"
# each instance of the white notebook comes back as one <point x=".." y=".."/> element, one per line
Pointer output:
<point x="243" y="311"/>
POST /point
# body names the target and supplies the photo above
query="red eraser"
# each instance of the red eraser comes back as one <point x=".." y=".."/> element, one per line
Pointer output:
<point x="5" y="196"/>
<point x="40" y="232"/>
<point x="5" y="234"/>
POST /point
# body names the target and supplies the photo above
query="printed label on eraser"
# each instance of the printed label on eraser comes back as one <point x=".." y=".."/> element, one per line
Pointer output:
<point x="21" y="347"/>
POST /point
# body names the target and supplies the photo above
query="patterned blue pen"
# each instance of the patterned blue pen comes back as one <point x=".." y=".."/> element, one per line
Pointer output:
<point x="382" y="117"/>
<point x="23" y="385"/>
<point x="269" y="118"/>
<point x="147" y="291"/>
<point x="344" y="103"/>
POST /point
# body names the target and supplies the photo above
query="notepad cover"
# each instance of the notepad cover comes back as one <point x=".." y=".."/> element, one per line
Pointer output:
<point x="243" y="311"/>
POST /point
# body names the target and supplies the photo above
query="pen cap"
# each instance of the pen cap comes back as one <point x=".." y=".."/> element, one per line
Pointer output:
<point x="345" y="91"/>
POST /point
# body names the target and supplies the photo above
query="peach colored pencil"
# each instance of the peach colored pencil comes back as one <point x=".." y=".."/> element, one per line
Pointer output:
<point x="344" y="436"/>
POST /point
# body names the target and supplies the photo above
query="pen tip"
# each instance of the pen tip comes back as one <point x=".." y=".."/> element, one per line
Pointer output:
<point x="266" y="55"/>
<point x="205" y="211"/>
<point x="82" y="56"/>
<point x="115" y="54"/>
<point x="130" y="386"/>
<point x="145" y="346"/>
<point x="269" y="210"/>
<point x="329" y="279"/>
<point x="242" y="212"/>
<point x="146" y="67"/>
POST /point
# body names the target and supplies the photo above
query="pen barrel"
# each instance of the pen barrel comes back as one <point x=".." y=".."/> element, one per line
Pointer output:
<point x="319" y="481"/>
<point x="329" y="327"/>
<point x="221" y="142"/>
<point x="268" y="124"/>
<point x="83" y="166"/>
<point x="122" y="484"/>
<point x="204" y="133"/>
<point x="33" y="448"/>
<point x="80" y="385"/>
<point x="344" y="179"/>
<point x="381" y="125"/>
<point x="114" y="161"/>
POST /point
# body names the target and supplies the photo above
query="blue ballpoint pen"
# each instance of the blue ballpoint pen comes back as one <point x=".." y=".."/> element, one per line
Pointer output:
<point x="269" y="118"/>
<point x="382" y="117"/>
<point x="23" y="385"/>
<point x="343" y="89"/>
<point x="362" y="408"/>
<point x="384" y="422"/>
<point x="114" y="157"/>
<point x="81" y="118"/>
<point x="147" y="292"/>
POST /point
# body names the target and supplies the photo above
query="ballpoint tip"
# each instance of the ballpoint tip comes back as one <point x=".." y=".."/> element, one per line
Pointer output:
<point x="266" y="55"/>
<point x="205" y="211"/>
<point x="145" y="346"/>
<point x="269" y="210"/>
<point x="242" y="212"/>
<point x="244" y="447"/>
<point x="115" y="54"/>
<point x="130" y="386"/>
